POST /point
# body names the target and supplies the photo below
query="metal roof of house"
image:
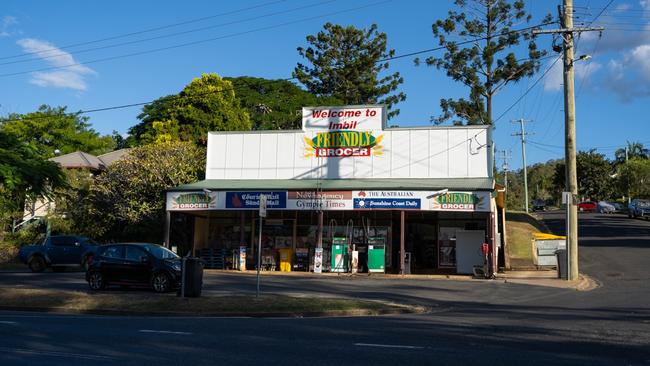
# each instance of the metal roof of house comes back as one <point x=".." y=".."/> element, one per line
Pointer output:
<point x="113" y="156"/>
<point x="79" y="159"/>
<point x="469" y="184"/>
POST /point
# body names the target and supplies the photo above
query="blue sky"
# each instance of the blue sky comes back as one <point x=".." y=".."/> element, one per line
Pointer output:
<point x="259" y="38"/>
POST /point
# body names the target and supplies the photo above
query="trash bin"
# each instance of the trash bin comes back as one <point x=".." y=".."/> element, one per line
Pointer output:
<point x="561" y="264"/>
<point x="191" y="277"/>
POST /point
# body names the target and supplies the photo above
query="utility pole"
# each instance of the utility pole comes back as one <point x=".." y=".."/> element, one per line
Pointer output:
<point x="629" y="199"/>
<point x="523" y="156"/>
<point x="567" y="32"/>
<point x="505" y="156"/>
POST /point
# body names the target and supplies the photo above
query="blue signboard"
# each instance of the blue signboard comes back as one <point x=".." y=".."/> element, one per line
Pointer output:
<point x="387" y="203"/>
<point x="251" y="200"/>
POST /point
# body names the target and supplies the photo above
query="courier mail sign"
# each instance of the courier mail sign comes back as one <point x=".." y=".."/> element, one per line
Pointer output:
<point x="343" y="131"/>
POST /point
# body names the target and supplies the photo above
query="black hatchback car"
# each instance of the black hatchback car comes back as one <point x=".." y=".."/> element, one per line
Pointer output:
<point x="134" y="264"/>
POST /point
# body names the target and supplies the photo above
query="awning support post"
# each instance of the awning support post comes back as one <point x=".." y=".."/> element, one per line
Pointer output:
<point x="167" y="224"/>
<point x="402" y="236"/>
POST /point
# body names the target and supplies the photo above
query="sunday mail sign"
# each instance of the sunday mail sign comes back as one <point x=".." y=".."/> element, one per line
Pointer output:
<point x="349" y="118"/>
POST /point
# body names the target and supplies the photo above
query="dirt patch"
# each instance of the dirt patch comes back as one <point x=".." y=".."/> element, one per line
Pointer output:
<point x="149" y="303"/>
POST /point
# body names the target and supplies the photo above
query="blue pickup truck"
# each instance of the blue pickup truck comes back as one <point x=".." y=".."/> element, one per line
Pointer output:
<point x="59" y="252"/>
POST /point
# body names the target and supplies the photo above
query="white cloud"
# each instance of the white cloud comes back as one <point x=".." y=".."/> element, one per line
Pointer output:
<point x="629" y="75"/>
<point x="71" y="75"/>
<point x="584" y="70"/>
<point x="5" y="25"/>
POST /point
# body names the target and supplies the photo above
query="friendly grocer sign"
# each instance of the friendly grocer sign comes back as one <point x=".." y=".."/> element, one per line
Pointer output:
<point x="338" y="132"/>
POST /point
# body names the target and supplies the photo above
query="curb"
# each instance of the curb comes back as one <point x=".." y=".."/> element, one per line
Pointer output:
<point x="307" y="314"/>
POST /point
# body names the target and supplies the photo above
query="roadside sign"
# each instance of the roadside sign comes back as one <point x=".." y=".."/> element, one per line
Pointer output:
<point x="262" y="205"/>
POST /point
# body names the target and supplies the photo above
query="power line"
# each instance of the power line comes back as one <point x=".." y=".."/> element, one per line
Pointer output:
<point x="130" y="105"/>
<point x="149" y="30"/>
<point x="195" y="42"/>
<point x="168" y="35"/>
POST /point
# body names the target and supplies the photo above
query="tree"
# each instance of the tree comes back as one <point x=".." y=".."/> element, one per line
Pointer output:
<point x="634" y="150"/>
<point x="126" y="202"/>
<point x="50" y="129"/>
<point x="345" y="63"/>
<point x="487" y="64"/>
<point x="24" y="173"/>
<point x="634" y="177"/>
<point x="595" y="180"/>
<point x="275" y="104"/>
<point x="206" y="104"/>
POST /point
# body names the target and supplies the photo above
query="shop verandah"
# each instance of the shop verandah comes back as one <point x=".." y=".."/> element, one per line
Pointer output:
<point x="429" y="240"/>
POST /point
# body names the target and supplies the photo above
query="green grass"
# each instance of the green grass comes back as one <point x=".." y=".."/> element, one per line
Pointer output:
<point x="519" y="229"/>
<point x="149" y="303"/>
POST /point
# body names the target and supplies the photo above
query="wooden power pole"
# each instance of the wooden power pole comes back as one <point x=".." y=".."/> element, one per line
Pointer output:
<point x="523" y="158"/>
<point x="567" y="32"/>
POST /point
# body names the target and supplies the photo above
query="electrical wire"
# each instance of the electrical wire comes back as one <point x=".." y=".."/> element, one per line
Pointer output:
<point x="149" y="30"/>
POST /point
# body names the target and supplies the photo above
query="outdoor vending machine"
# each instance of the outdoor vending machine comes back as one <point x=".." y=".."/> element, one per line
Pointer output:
<point x="376" y="254"/>
<point x="340" y="255"/>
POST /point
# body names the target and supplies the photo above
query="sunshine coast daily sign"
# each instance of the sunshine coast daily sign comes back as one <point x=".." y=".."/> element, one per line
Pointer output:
<point x="332" y="132"/>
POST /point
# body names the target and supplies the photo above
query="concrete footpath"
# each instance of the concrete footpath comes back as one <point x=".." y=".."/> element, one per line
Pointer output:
<point x="544" y="278"/>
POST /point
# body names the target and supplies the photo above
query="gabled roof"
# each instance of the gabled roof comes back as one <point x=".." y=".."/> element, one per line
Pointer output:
<point x="113" y="156"/>
<point x="80" y="160"/>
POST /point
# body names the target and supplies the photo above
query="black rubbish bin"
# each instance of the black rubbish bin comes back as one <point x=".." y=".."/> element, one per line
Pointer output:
<point x="562" y="272"/>
<point x="191" y="277"/>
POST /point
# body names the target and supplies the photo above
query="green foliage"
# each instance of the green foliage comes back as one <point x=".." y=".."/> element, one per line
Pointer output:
<point x="345" y="63"/>
<point x="594" y="172"/>
<point x="127" y="201"/>
<point x="50" y="129"/>
<point x="276" y="104"/>
<point x="634" y="177"/>
<point x="23" y="173"/>
<point x="206" y="104"/>
<point x="634" y="150"/>
<point x="487" y="65"/>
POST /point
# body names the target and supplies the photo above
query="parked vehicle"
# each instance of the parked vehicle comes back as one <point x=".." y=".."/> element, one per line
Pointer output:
<point x="135" y="264"/>
<point x="539" y="205"/>
<point x="619" y="206"/>
<point x="606" y="207"/>
<point x="59" y="252"/>
<point x="587" y="206"/>
<point x="639" y="208"/>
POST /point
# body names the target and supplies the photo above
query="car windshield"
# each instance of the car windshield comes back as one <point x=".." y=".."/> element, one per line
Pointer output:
<point x="643" y="203"/>
<point x="159" y="252"/>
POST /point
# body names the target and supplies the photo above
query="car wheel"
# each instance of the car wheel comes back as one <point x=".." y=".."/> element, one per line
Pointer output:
<point x="96" y="281"/>
<point x="58" y="269"/>
<point x="86" y="262"/>
<point x="160" y="283"/>
<point x="37" y="264"/>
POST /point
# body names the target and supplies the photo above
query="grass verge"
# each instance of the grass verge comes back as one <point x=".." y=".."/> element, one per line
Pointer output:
<point x="146" y="303"/>
<point x="519" y="229"/>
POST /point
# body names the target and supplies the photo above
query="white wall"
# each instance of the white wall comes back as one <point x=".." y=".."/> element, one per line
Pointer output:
<point x="436" y="152"/>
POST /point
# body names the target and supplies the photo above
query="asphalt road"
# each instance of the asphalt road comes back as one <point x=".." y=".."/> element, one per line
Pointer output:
<point x="472" y="322"/>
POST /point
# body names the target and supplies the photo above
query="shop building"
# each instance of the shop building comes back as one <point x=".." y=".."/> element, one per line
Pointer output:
<point x="345" y="194"/>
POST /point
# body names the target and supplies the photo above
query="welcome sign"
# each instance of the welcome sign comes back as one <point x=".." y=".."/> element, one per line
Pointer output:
<point x="343" y="131"/>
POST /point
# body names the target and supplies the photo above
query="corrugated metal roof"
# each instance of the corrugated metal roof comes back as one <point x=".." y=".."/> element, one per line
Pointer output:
<point x="78" y="159"/>
<point x="113" y="156"/>
<point x="469" y="184"/>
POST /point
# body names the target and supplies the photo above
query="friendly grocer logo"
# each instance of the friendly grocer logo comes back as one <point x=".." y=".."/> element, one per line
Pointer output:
<point x="194" y="201"/>
<point x="343" y="144"/>
<point x="457" y="201"/>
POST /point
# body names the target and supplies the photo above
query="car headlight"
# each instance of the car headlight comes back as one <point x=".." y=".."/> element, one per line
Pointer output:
<point x="176" y="266"/>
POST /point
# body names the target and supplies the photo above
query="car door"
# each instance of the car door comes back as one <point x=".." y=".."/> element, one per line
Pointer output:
<point x="57" y="249"/>
<point x="137" y="265"/>
<point x="112" y="259"/>
<point x="75" y="247"/>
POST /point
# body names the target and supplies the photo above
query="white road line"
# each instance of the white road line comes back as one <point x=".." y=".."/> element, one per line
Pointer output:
<point x="7" y="322"/>
<point x="25" y="351"/>
<point x="163" y="332"/>
<point x="387" y="346"/>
